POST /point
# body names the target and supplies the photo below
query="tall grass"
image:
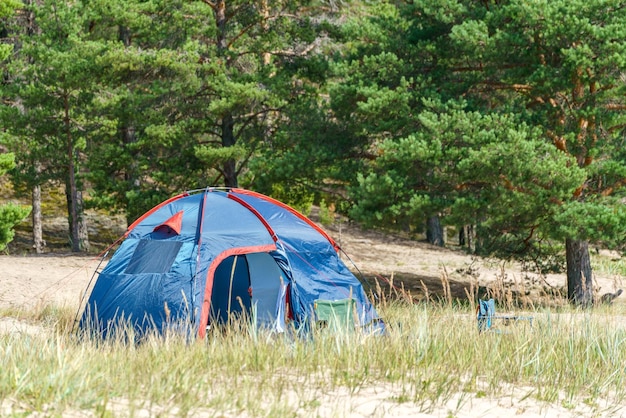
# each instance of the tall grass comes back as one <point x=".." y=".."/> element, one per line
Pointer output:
<point x="432" y="355"/>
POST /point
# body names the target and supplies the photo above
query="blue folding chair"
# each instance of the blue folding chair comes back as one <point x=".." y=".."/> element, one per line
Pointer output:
<point x="486" y="314"/>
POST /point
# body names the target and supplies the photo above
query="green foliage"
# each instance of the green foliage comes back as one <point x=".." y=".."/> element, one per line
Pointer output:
<point x="491" y="170"/>
<point x="11" y="214"/>
<point x="140" y="202"/>
<point x="553" y="171"/>
<point x="193" y="103"/>
<point x="7" y="10"/>
<point x="48" y="109"/>
<point x="600" y="220"/>
<point x="212" y="156"/>
<point x="327" y="213"/>
<point x="299" y="198"/>
<point x="8" y="7"/>
<point x="507" y="115"/>
<point x="7" y="162"/>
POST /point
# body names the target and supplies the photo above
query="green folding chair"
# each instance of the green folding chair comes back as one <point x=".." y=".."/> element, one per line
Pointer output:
<point x="335" y="315"/>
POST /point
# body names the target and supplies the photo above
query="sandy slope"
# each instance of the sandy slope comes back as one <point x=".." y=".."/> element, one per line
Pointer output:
<point x="418" y="264"/>
<point x="28" y="281"/>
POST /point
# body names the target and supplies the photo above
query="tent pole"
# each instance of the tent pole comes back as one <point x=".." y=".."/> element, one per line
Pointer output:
<point x="230" y="286"/>
<point x="198" y="244"/>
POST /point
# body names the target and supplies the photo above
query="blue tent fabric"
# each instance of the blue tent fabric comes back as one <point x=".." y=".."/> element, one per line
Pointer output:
<point x="158" y="277"/>
<point x="315" y="264"/>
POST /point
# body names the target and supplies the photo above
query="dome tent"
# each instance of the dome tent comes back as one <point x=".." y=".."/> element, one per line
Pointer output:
<point x="203" y="255"/>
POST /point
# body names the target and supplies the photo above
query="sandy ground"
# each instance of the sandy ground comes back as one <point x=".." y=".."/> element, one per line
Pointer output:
<point x="62" y="279"/>
<point x="28" y="282"/>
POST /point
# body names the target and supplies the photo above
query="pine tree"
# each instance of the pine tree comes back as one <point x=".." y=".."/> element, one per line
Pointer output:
<point x="558" y="67"/>
<point x="53" y="84"/>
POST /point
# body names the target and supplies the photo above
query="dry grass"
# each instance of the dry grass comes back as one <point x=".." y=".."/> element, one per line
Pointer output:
<point x="432" y="356"/>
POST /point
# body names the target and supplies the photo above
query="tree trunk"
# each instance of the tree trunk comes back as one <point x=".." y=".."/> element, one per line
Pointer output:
<point x="70" y="187"/>
<point x="79" y="237"/>
<point x="229" y="168"/>
<point x="579" y="279"/>
<point x="219" y="8"/>
<point x="124" y="35"/>
<point x="38" y="242"/>
<point x="83" y="233"/>
<point x="31" y="25"/>
<point x="434" y="231"/>
<point x="265" y="13"/>
<point x="228" y="140"/>
<point x="129" y="138"/>
<point x="467" y="237"/>
<point x="76" y="219"/>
